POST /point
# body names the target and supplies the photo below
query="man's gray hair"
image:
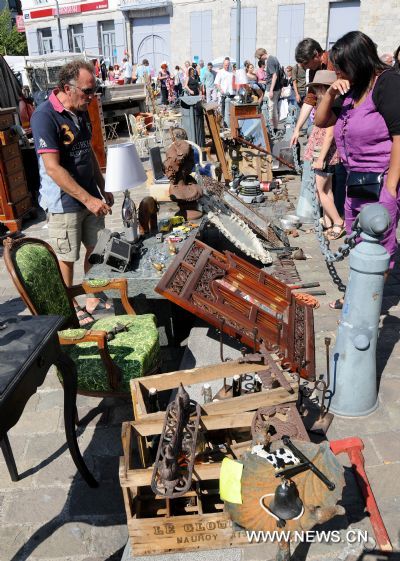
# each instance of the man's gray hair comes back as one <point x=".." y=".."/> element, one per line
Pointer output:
<point x="386" y="57"/>
<point x="70" y="71"/>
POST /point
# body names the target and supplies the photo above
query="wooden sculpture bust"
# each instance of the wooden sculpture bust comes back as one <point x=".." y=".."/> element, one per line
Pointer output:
<point x="183" y="188"/>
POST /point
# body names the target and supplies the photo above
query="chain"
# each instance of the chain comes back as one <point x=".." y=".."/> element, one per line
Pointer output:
<point x="275" y="136"/>
<point x="297" y="165"/>
<point x="343" y="250"/>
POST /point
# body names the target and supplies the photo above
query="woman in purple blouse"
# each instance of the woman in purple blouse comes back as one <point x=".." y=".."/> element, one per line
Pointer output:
<point x="363" y="106"/>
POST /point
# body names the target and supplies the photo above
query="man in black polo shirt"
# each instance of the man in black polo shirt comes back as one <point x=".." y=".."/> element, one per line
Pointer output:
<point x="71" y="183"/>
<point x="273" y="85"/>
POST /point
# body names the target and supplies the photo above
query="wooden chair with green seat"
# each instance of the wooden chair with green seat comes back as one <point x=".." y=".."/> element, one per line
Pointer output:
<point x="104" y="367"/>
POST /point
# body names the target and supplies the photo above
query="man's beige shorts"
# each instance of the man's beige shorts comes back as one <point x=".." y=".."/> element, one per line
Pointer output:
<point x="67" y="232"/>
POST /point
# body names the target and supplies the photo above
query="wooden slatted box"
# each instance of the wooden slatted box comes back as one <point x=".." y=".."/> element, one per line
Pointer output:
<point x="195" y="521"/>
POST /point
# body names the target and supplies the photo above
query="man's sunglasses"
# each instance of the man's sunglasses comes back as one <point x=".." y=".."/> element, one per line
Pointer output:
<point x="86" y="91"/>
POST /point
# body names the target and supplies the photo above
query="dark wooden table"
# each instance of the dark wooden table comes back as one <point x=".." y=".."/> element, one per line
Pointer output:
<point x="28" y="347"/>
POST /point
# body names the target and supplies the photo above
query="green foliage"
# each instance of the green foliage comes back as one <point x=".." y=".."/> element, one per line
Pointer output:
<point x="11" y="41"/>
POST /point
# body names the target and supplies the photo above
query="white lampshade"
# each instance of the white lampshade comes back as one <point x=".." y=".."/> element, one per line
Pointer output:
<point x="241" y="77"/>
<point x="124" y="168"/>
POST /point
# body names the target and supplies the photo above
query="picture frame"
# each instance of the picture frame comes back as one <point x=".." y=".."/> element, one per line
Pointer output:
<point x="253" y="126"/>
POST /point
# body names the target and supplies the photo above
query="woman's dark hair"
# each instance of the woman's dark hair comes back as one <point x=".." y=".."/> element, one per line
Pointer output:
<point x="261" y="63"/>
<point x="190" y="69"/>
<point x="355" y="54"/>
<point x="110" y="68"/>
<point x="306" y="50"/>
<point x="396" y="65"/>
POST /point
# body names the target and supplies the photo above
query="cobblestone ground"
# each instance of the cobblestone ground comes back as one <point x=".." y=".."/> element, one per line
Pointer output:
<point x="51" y="515"/>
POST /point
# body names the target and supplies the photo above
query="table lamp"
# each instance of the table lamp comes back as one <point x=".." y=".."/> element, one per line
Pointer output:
<point x="243" y="90"/>
<point x="125" y="171"/>
<point x="241" y="78"/>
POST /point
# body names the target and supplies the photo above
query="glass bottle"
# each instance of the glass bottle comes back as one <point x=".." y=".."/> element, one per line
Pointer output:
<point x="207" y="393"/>
<point x="236" y="385"/>
<point x="153" y="404"/>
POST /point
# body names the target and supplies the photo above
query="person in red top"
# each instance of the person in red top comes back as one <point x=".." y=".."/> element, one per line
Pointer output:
<point x="311" y="56"/>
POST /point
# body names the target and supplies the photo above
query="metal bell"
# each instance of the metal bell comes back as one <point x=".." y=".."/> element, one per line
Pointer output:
<point x="286" y="503"/>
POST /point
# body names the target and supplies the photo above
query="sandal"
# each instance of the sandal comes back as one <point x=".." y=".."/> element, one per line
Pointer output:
<point x="336" y="232"/>
<point x="337" y="304"/>
<point x="101" y="306"/>
<point x="82" y="314"/>
<point x="323" y="224"/>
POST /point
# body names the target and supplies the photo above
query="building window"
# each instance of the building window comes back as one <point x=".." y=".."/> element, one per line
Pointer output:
<point x="45" y="40"/>
<point x="343" y="17"/>
<point x="201" y="36"/>
<point x="76" y="38"/>
<point x="290" y="32"/>
<point x="107" y="41"/>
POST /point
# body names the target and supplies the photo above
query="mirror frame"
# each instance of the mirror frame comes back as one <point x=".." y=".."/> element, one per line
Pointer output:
<point x="263" y="128"/>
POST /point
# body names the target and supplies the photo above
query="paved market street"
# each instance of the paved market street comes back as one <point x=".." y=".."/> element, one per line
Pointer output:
<point x="51" y="514"/>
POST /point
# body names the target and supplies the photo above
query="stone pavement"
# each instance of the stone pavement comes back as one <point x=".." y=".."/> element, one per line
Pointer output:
<point x="51" y="515"/>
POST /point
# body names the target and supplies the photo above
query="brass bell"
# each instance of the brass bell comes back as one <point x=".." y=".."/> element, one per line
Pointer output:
<point x="286" y="503"/>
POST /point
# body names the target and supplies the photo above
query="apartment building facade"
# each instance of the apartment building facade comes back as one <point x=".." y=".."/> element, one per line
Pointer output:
<point x="179" y="30"/>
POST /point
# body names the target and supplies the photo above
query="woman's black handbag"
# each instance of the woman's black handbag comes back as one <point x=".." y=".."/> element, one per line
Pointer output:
<point x="365" y="185"/>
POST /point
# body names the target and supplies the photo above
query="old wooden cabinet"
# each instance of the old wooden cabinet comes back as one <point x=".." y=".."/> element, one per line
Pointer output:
<point x="15" y="199"/>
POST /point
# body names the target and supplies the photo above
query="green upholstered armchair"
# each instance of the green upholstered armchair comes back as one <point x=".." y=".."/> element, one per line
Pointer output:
<point x="104" y="367"/>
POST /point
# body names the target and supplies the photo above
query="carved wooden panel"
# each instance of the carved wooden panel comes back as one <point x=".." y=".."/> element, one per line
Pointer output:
<point x="243" y="301"/>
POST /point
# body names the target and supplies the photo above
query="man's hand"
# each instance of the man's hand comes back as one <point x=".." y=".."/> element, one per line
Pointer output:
<point x="295" y="138"/>
<point x="298" y="98"/>
<point x="97" y="207"/>
<point x="339" y="87"/>
<point x="271" y="94"/>
<point x="109" y="198"/>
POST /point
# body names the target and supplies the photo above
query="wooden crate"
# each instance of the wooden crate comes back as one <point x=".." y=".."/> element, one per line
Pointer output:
<point x="157" y="525"/>
<point x="229" y="407"/>
<point x="247" y="402"/>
